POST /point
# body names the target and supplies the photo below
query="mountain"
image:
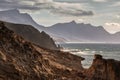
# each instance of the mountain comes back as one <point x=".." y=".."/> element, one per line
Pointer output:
<point x="23" y="60"/>
<point x="74" y="32"/>
<point x="64" y="32"/>
<point x="14" y="16"/>
<point x="31" y="34"/>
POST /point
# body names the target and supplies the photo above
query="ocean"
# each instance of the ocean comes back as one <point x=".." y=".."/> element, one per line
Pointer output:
<point x="108" y="51"/>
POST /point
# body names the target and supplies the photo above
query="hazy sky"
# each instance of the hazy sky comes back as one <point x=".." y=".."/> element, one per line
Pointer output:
<point x="49" y="12"/>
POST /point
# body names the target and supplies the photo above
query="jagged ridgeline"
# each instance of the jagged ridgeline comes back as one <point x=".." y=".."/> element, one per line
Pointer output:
<point x="31" y="34"/>
<point x="23" y="60"/>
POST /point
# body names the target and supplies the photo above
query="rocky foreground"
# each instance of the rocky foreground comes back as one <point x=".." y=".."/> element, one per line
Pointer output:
<point x="23" y="60"/>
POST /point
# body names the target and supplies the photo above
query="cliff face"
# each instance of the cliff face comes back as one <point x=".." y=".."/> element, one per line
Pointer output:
<point x="33" y="35"/>
<point x="22" y="60"/>
<point x="103" y="69"/>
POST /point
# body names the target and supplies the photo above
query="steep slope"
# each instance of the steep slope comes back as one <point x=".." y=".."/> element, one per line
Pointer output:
<point x="31" y="34"/>
<point x="22" y="60"/>
<point x="19" y="60"/>
<point x="14" y="16"/>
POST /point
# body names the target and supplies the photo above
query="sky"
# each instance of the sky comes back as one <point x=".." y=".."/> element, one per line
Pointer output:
<point x="48" y="12"/>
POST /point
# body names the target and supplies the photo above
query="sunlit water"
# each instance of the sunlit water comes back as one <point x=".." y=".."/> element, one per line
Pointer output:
<point x="111" y="51"/>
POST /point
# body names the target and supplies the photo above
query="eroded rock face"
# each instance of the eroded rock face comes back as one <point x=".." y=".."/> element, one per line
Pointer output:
<point x="22" y="60"/>
<point x="104" y="69"/>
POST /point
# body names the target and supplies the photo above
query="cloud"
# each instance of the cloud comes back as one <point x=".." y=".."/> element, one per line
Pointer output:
<point x="73" y="1"/>
<point x="118" y="16"/>
<point x="79" y="20"/>
<point x="112" y="27"/>
<point x="100" y="0"/>
<point x="116" y="4"/>
<point x="68" y="9"/>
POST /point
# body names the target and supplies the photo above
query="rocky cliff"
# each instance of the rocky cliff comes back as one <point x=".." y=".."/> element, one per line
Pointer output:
<point x="33" y="35"/>
<point x="23" y="60"/>
<point x="103" y="69"/>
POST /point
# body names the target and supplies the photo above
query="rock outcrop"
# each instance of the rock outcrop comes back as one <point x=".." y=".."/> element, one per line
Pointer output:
<point x="23" y="60"/>
<point x="33" y="35"/>
<point x="103" y="69"/>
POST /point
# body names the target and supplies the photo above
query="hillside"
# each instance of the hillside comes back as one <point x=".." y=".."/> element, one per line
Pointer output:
<point x="31" y="34"/>
<point x="23" y="60"/>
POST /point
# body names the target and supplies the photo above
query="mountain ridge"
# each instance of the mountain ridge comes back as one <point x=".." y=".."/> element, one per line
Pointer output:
<point x="31" y="34"/>
<point x="15" y="16"/>
<point x="85" y="32"/>
<point x="65" y="32"/>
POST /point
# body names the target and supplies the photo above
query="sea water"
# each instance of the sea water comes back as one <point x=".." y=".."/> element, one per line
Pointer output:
<point x="108" y="51"/>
